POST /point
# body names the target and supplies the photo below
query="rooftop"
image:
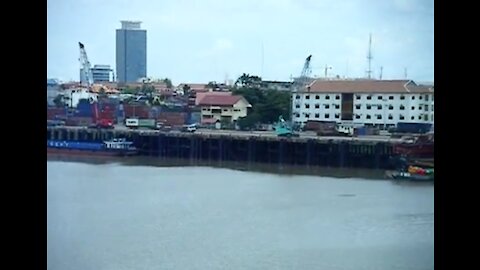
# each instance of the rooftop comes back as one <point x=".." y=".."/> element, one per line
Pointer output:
<point x="220" y="100"/>
<point x="368" y="86"/>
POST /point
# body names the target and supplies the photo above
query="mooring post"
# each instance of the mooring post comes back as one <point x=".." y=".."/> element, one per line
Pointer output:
<point x="281" y="147"/>
<point x="341" y="154"/>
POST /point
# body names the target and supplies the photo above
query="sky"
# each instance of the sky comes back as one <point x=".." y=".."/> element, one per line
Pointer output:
<point x="197" y="41"/>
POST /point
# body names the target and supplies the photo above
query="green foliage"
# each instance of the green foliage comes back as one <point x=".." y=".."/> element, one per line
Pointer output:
<point x="267" y="105"/>
<point x="59" y="102"/>
<point x="168" y="82"/>
<point x="129" y="90"/>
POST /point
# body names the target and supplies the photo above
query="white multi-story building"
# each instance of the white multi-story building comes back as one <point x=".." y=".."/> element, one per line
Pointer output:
<point x="364" y="102"/>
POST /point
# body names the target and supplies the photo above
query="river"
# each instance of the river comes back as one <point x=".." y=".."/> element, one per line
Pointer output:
<point x="111" y="215"/>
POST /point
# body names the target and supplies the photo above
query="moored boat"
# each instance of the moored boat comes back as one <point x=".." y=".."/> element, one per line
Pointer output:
<point x="114" y="147"/>
<point x="413" y="173"/>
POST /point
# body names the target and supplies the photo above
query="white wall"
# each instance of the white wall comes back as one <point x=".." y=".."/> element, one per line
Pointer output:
<point x="76" y="94"/>
<point x="416" y="101"/>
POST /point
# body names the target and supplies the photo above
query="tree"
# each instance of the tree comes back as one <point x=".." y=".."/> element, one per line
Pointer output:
<point x="267" y="105"/>
<point x="102" y="93"/>
<point x="58" y="100"/>
<point x="186" y="90"/>
<point x="168" y="82"/>
<point x="247" y="80"/>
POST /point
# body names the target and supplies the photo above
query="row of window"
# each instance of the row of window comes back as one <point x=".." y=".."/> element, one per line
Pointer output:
<point x="358" y="107"/>
<point x="369" y="97"/>
<point x="368" y="116"/>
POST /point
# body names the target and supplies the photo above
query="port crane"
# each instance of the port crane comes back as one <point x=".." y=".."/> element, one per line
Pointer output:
<point x="98" y="121"/>
<point x="301" y="82"/>
<point x="85" y="65"/>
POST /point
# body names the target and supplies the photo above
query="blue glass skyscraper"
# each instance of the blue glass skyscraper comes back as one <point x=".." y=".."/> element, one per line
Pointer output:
<point x="131" y="52"/>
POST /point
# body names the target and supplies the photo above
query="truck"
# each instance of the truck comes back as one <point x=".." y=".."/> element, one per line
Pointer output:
<point x="135" y="123"/>
<point x="99" y="122"/>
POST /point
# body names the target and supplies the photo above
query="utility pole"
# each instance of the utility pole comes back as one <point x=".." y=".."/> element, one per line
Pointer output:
<point x="369" y="58"/>
<point x="381" y="72"/>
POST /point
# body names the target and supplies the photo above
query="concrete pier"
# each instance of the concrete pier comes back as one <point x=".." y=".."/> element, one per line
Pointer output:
<point x="250" y="149"/>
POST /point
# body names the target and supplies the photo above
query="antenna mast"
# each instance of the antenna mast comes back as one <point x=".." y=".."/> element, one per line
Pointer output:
<point x="369" y="58"/>
<point x="381" y="72"/>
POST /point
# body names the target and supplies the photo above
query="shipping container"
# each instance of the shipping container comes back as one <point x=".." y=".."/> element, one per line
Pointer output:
<point x="413" y="127"/>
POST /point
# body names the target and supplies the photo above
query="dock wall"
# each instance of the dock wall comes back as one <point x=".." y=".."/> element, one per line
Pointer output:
<point x="220" y="148"/>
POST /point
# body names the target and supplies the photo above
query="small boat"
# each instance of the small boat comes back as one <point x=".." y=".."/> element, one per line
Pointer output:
<point x="399" y="175"/>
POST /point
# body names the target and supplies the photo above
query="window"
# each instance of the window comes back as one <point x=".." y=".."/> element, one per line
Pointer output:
<point x="390" y="107"/>
<point x="337" y="97"/>
<point x="297" y="106"/>
<point x="390" y="117"/>
<point x="317" y="97"/>
<point x="237" y="110"/>
<point x="337" y="106"/>
<point x="380" y="97"/>
<point x="426" y="108"/>
<point x="369" y="97"/>
<point x="419" y="117"/>
<point x="420" y="97"/>
<point x="327" y="97"/>
<point x="327" y="115"/>
<point x="413" y="117"/>
<point x="390" y="97"/>
<point x="379" y="116"/>
<point x="204" y="109"/>
<point x="425" y="117"/>
<point x="297" y="115"/>
<point x="368" y="116"/>
<point x="317" y="115"/>
<point x="426" y="97"/>
<point x="337" y="115"/>
<point x="307" y="115"/>
<point x="379" y="107"/>
<point x="413" y="97"/>
<point x="357" y="106"/>
<point x="401" y="117"/>
<point x="307" y="97"/>
<point x="402" y="107"/>
<point x="297" y="97"/>
<point x="369" y="107"/>
<point x="402" y="97"/>
<point x="317" y="106"/>
<point x="358" y="96"/>
<point x="307" y="106"/>
<point x="413" y="108"/>
<point x="225" y="110"/>
<point x="420" y="107"/>
<point x="327" y="106"/>
<point x="357" y="116"/>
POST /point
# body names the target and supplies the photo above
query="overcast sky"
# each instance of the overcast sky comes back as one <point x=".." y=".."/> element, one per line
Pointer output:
<point x="198" y="41"/>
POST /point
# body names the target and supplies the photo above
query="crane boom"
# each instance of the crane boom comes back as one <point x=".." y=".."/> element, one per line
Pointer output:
<point x="302" y="81"/>
<point x="85" y="65"/>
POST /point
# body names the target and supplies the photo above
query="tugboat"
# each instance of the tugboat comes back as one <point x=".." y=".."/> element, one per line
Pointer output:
<point x="114" y="147"/>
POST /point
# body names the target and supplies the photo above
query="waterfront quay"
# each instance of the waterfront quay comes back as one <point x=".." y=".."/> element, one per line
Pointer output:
<point x="252" y="147"/>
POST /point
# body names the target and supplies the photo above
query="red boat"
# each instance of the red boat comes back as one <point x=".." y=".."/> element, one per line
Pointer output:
<point x="422" y="147"/>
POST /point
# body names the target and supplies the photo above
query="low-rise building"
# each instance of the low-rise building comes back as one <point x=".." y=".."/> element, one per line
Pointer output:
<point x="223" y="108"/>
<point x="364" y="102"/>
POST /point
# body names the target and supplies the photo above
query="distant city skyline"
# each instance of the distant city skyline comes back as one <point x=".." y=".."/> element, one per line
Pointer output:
<point x="211" y="40"/>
